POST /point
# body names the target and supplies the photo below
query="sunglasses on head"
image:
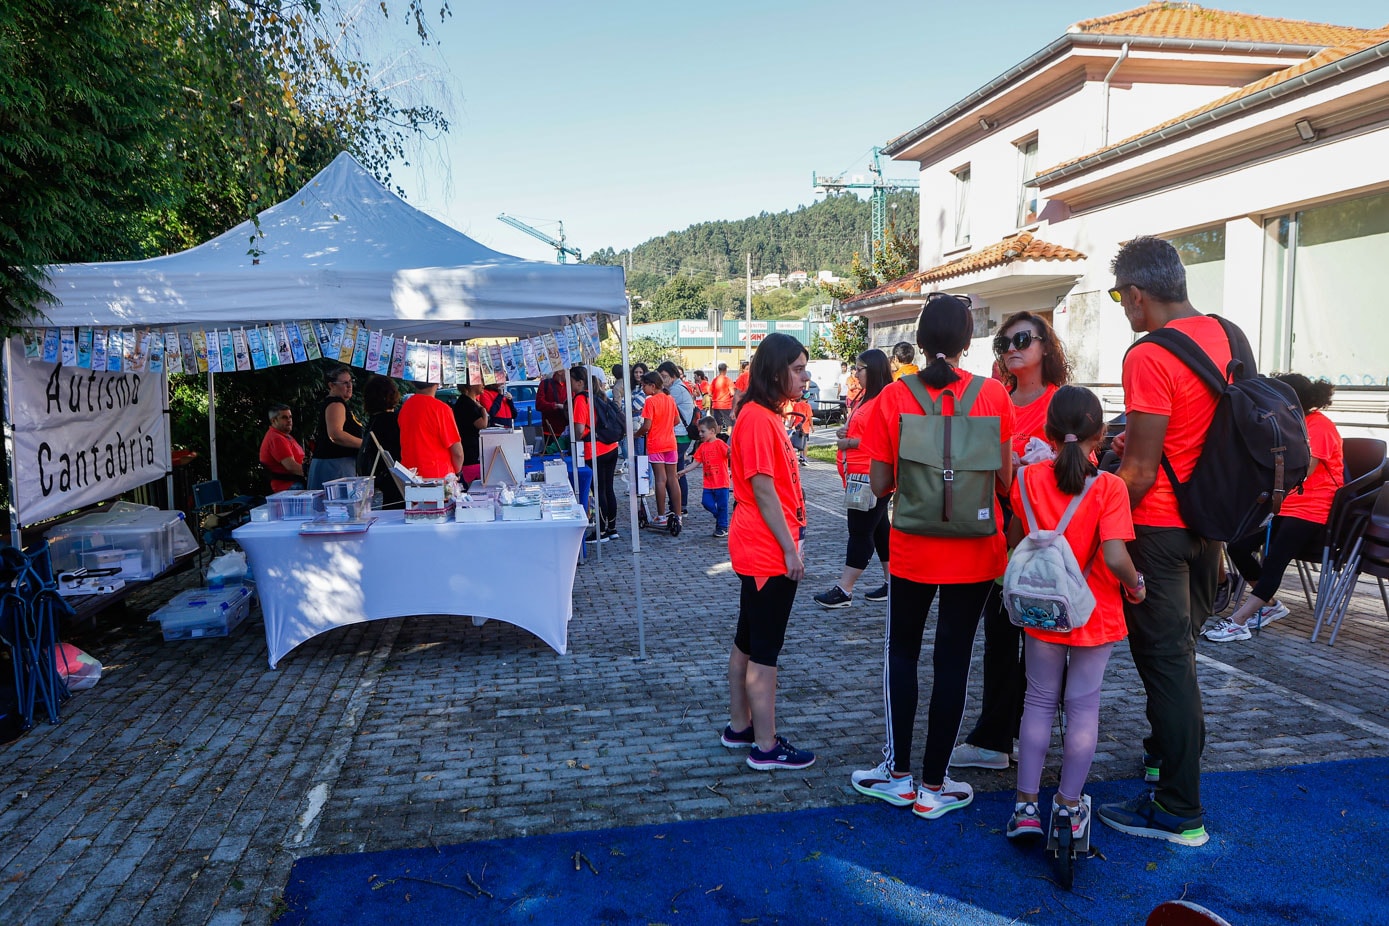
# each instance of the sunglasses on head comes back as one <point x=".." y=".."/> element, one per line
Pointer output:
<point x="1020" y="341"/>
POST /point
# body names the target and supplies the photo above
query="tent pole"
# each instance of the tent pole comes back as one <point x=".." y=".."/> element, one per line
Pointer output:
<point x="632" y="480"/>
<point x="593" y="478"/>
<point x="212" y="425"/>
<point x="16" y="540"/>
<point x="168" y="447"/>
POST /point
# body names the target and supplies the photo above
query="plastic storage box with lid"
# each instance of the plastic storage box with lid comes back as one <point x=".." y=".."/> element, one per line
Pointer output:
<point x="204" y="612"/>
<point x="295" y="504"/>
<point x="141" y="543"/>
<point x="348" y="498"/>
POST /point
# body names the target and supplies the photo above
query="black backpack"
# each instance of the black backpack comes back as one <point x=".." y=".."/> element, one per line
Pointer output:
<point x="1256" y="449"/>
<point x="609" y="426"/>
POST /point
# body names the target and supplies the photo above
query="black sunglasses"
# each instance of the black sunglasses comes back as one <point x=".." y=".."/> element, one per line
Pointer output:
<point x="1020" y="341"/>
<point x="968" y="303"/>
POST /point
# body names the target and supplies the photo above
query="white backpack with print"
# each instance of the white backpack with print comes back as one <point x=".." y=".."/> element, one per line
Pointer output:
<point x="1044" y="587"/>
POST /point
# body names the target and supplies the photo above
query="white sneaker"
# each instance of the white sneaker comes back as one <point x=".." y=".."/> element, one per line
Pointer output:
<point x="967" y="755"/>
<point x="1275" y="610"/>
<point x="1227" y="631"/>
<point x="878" y="782"/>
<point x="952" y="796"/>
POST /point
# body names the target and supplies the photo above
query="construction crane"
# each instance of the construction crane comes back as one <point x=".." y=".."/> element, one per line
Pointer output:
<point x="879" y="185"/>
<point x="562" y="250"/>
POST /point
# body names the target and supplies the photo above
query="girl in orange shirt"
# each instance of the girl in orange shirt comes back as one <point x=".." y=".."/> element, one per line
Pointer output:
<point x="1097" y="534"/>
<point x="764" y="546"/>
<point x="658" y="417"/>
<point x="962" y="570"/>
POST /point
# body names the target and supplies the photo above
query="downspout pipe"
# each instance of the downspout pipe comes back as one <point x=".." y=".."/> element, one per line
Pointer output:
<point x="1104" y="120"/>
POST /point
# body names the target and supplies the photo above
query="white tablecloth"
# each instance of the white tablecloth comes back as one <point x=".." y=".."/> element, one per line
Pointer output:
<point x="521" y="572"/>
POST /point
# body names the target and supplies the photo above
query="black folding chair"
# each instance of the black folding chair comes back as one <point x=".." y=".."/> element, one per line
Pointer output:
<point x="1366" y="470"/>
<point x="219" y="516"/>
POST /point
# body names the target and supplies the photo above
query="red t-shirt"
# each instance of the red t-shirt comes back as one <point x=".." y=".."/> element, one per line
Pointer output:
<point x="1158" y="383"/>
<point x="1032" y="419"/>
<point x="661" y="411"/>
<point x="938" y="560"/>
<point x="1103" y="515"/>
<point x="581" y="413"/>
<point x="275" y="447"/>
<point x="721" y="392"/>
<point x="427" y="431"/>
<point x="742" y="382"/>
<point x="712" y="456"/>
<point x="760" y="447"/>
<point x="1314" y="503"/>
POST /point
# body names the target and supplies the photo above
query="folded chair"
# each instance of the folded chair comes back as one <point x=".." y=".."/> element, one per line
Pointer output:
<point x="1371" y="558"/>
<point x="219" y="516"/>
<point x="1366" y="470"/>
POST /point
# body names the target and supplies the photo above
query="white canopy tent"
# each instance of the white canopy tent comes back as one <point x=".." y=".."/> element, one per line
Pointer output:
<point x="344" y="247"/>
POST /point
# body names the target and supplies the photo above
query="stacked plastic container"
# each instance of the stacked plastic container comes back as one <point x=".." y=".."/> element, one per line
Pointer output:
<point x="139" y="543"/>
<point x="204" y="612"/>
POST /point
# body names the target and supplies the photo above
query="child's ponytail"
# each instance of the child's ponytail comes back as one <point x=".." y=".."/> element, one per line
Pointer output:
<point x="1074" y="417"/>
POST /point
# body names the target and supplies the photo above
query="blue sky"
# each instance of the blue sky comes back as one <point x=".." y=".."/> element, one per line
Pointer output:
<point x="627" y="120"/>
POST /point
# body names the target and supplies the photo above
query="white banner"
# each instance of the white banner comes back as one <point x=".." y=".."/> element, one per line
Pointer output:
<point x="80" y="436"/>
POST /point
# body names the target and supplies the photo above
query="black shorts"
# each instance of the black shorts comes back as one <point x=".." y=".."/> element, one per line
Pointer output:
<point x="762" y="617"/>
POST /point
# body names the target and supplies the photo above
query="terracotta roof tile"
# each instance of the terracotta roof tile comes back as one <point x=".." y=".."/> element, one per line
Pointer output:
<point x="1189" y="21"/>
<point x="1022" y="246"/>
<point x="1365" y="39"/>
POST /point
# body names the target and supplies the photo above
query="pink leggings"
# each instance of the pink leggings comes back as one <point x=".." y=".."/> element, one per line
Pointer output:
<point x="1046" y="667"/>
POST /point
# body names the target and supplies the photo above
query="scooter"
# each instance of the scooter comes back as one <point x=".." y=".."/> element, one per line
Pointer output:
<point x="1063" y="847"/>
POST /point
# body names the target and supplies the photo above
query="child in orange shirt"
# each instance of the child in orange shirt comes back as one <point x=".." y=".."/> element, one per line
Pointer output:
<point x="800" y="424"/>
<point x="658" y="417"/>
<point x="711" y="454"/>
<point x="1097" y="533"/>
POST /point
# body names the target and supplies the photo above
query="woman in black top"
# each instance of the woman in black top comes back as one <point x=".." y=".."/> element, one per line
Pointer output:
<point x="471" y="418"/>
<point x="338" y="435"/>
<point x="381" y="399"/>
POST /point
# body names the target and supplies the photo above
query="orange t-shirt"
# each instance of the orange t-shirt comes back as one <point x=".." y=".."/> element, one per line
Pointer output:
<point x="1158" y="383"/>
<point x="938" y="560"/>
<point x="1314" y="502"/>
<point x="1032" y="419"/>
<point x="855" y="460"/>
<point x="661" y="411"/>
<point x="760" y="447"/>
<point x="581" y="413"/>
<point x="721" y="392"/>
<point x="742" y="382"/>
<point x="1103" y="515"/>
<point x="427" y="431"/>
<point x="805" y="422"/>
<point x="712" y="456"/>
<point x="855" y="390"/>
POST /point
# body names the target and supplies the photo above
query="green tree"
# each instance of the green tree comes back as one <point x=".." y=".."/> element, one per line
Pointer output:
<point x="897" y="256"/>
<point x="681" y="297"/>
<point x="844" y="339"/>
<point x="645" y="349"/>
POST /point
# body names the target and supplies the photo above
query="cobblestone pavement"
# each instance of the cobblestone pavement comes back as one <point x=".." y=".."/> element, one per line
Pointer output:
<point x="183" y="786"/>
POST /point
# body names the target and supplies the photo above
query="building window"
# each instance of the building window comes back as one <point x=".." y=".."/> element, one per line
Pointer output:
<point x="1203" y="254"/>
<point x="1027" y="169"/>
<point x="1322" y="267"/>
<point x="962" y="207"/>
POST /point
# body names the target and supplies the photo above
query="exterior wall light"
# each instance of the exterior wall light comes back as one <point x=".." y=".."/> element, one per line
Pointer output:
<point x="1305" y="130"/>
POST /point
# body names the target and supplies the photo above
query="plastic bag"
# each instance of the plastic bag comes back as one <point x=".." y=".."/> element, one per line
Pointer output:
<point x="1037" y="450"/>
<point x="76" y="668"/>
<point x="227" y="569"/>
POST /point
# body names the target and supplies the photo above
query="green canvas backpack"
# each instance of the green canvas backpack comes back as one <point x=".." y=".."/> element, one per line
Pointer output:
<point x="946" y="465"/>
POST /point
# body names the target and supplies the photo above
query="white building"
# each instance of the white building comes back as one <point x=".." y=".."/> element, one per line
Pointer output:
<point x="1260" y="147"/>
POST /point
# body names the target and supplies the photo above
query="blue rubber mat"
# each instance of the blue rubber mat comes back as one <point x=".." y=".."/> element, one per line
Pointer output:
<point x="1302" y="845"/>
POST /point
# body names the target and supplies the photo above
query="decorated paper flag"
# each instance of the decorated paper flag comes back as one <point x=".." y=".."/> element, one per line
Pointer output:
<point x="282" y="344"/>
<point x="200" y="350"/>
<point x="383" y="356"/>
<point x="552" y="351"/>
<point x="115" y="350"/>
<point x="214" y="351"/>
<point x="485" y="374"/>
<point x="257" y="348"/>
<point x="154" y="360"/>
<point x="349" y="343"/>
<point x="224" y="344"/>
<point x="267" y="339"/>
<point x="359" y="351"/>
<point x="33" y="343"/>
<point x="474" y="365"/>
<point x="459" y="361"/>
<point x="313" y="348"/>
<point x="296" y="343"/>
<point x="494" y="361"/>
<point x="532" y="360"/>
<point x="373" y="351"/>
<point x="185" y="347"/>
<point x="435" y="362"/>
<point x="67" y="346"/>
<point x="98" y="350"/>
<point x="334" y="349"/>
<point x="240" y="351"/>
<point x="173" y="351"/>
<point x="50" y="345"/>
<point x="398" y="359"/>
<point x="84" y="348"/>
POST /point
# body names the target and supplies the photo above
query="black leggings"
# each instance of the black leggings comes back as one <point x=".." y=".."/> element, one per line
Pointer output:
<point x="868" y="531"/>
<point x="1291" y="536"/>
<point x="762" y="617"/>
<point x="908" y="606"/>
<point x="607" y="498"/>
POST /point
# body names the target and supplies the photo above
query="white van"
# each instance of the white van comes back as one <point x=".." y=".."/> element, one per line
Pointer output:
<point x="826" y="375"/>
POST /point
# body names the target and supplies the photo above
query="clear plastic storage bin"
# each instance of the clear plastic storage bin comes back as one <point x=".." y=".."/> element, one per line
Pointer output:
<point x="295" y="504"/>
<point x="204" y="612"/>
<point x="141" y="543"/>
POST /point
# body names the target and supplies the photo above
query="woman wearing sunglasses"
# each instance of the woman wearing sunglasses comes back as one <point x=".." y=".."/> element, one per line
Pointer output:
<point x="1032" y="364"/>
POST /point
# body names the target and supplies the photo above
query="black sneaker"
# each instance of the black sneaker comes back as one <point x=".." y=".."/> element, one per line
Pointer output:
<point x="1144" y="816"/>
<point x="610" y="534"/>
<point x="738" y="740"/>
<point x="878" y="594"/>
<point x="720" y="532"/>
<point x="673" y="525"/>
<point x="782" y="755"/>
<point x="834" y="598"/>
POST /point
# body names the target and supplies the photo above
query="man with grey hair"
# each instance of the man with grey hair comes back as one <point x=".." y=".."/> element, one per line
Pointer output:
<point x="1168" y="410"/>
<point x="280" y="454"/>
